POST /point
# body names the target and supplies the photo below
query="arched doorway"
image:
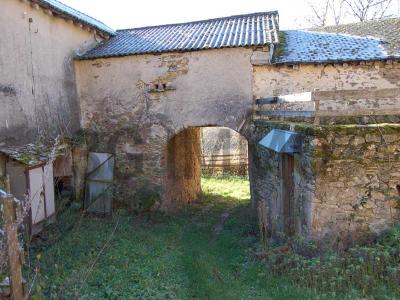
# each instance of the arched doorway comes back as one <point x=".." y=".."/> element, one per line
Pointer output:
<point x="196" y="152"/>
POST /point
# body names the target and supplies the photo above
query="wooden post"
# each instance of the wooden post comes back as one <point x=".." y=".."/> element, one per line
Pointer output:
<point x="14" y="262"/>
<point x="8" y="184"/>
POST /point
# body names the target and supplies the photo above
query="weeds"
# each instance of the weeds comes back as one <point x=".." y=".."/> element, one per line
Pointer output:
<point x="183" y="257"/>
<point x="164" y="257"/>
<point x="367" y="271"/>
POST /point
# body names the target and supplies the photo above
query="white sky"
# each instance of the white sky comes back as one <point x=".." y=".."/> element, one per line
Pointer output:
<point x="132" y="13"/>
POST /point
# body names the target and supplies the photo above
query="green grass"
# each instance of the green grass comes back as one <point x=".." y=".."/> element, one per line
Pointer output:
<point x="160" y="257"/>
<point x="207" y="251"/>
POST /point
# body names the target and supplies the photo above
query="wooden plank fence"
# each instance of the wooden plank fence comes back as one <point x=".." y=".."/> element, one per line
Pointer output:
<point x="225" y="163"/>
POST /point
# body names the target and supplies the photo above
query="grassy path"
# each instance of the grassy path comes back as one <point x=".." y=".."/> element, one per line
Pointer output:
<point x="205" y="252"/>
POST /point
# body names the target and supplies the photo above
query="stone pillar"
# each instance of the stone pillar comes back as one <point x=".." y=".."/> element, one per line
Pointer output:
<point x="79" y="165"/>
<point x="183" y="176"/>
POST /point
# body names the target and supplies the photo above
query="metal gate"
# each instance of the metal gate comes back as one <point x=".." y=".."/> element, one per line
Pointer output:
<point x="99" y="183"/>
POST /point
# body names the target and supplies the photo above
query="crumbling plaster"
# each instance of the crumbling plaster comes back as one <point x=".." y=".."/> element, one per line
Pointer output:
<point x="134" y="105"/>
<point x="201" y="88"/>
<point x="285" y="80"/>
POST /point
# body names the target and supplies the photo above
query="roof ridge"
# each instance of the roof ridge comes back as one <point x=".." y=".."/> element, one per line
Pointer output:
<point x="272" y="12"/>
<point x="61" y="2"/>
<point x="52" y="4"/>
<point x="354" y="23"/>
<point x="333" y="33"/>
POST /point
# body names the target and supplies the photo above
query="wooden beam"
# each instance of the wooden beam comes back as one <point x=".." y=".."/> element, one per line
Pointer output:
<point x="13" y="252"/>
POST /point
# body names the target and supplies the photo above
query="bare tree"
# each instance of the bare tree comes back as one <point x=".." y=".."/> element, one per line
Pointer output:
<point x="334" y="11"/>
<point x="319" y="13"/>
<point x="365" y="10"/>
<point x="337" y="10"/>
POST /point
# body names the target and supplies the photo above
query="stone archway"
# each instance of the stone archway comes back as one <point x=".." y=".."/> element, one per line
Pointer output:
<point x="182" y="158"/>
<point x="182" y="183"/>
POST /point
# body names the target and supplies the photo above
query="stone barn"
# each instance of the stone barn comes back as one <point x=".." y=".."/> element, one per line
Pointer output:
<point x="144" y="94"/>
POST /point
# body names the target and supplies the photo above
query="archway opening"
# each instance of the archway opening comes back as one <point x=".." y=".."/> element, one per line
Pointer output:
<point x="209" y="159"/>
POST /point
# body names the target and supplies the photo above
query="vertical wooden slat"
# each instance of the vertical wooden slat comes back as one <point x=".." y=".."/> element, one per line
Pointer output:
<point x="14" y="262"/>
<point x="8" y="184"/>
<point x="288" y="193"/>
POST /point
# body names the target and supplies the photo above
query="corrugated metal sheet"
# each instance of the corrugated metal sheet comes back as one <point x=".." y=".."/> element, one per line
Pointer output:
<point x="61" y="8"/>
<point x="257" y="29"/>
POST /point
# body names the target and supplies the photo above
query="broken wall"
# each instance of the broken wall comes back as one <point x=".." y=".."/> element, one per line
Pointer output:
<point x="37" y="81"/>
<point x="345" y="187"/>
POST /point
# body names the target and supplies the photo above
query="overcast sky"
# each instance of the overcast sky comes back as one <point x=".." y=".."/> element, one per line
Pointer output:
<point x="121" y="14"/>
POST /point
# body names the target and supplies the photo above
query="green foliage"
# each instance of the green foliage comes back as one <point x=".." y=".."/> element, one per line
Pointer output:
<point x="79" y="138"/>
<point x="365" y="271"/>
<point x="185" y="257"/>
<point x="145" y="198"/>
<point x="141" y="201"/>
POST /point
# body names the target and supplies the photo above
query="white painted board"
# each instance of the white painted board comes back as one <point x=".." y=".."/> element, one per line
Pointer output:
<point x="48" y="180"/>
<point x="36" y="195"/>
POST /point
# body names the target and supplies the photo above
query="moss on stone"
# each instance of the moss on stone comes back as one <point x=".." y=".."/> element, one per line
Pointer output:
<point x="348" y="129"/>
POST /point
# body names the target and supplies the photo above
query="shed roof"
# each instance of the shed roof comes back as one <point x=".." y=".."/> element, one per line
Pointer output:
<point x="31" y="155"/>
<point x="62" y="9"/>
<point x="258" y="29"/>
<point x="371" y="40"/>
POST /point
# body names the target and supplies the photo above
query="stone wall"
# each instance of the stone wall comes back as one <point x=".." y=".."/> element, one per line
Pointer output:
<point x="132" y="106"/>
<point x="268" y="185"/>
<point x="346" y="182"/>
<point x="37" y="80"/>
<point x="341" y="188"/>
<point x="224" y="151"/>
<point x="284" y="80"/>
<point x="356" y="179"/>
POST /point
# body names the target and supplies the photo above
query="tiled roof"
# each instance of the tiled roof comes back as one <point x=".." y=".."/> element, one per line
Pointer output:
<point x="74" y="14"/>
<point x="372" y="40"/>
<point x="257" y="29"/>
<point x="387" y="30"/>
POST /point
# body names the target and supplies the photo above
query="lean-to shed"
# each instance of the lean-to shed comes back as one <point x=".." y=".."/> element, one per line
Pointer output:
<point x="31" y="178"/>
